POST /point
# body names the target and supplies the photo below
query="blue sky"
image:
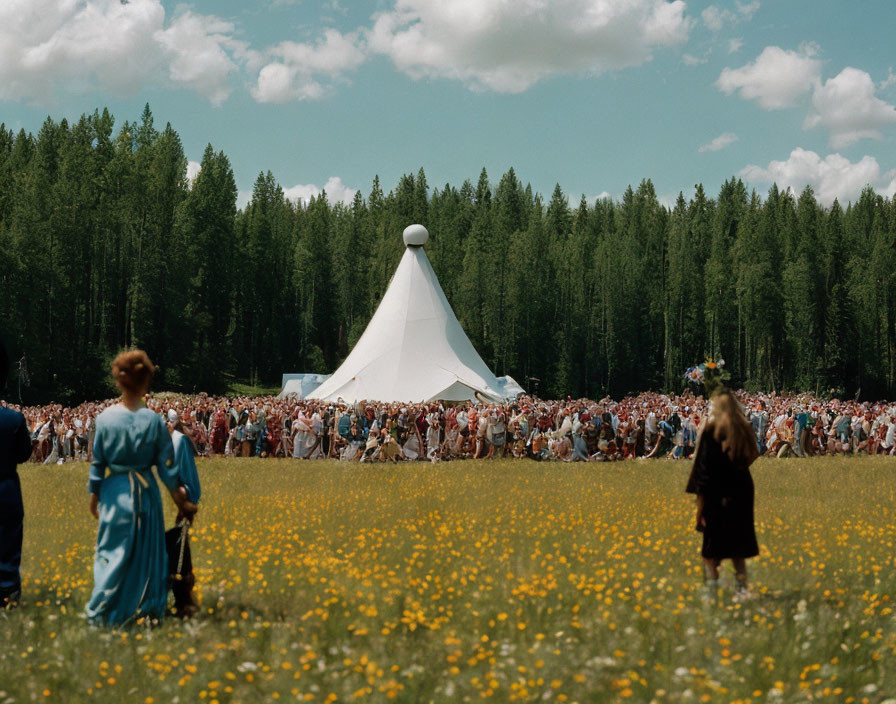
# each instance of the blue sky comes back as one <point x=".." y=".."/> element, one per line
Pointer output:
<point x="591" y="94"/>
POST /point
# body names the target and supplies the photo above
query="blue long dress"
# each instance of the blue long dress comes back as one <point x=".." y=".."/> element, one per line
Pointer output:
<point x="130" y="570"/>
<point x="180" y="557"/>
<point x="185" y="464"/>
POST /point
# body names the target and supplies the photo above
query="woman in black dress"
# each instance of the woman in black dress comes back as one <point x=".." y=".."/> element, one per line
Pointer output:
<point x="724" y="487"/>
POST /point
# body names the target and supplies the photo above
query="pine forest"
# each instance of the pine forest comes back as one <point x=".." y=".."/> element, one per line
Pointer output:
<point x="104" y="244"/>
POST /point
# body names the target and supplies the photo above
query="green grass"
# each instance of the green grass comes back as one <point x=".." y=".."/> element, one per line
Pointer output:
<point x="472" y="580"/>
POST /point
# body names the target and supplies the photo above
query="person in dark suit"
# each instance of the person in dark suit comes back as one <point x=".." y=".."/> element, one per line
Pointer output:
<point x="15" y="448"/>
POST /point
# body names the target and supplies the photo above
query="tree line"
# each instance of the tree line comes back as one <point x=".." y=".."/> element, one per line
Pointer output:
<point x="104" y="244"/>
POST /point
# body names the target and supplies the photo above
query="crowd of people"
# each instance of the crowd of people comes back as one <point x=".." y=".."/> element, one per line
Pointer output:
<point x="137" y="562"/>
<point x="649" y="425"/>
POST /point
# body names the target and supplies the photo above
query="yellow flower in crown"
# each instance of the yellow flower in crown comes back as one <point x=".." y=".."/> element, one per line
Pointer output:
<point x="710" y="365"/>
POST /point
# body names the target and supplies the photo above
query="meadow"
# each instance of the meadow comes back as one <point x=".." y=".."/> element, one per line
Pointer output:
<point x="509" y="581"/>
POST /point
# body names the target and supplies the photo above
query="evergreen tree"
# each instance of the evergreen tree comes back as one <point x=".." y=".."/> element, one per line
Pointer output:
<point x="205" y="234"/>
<point x="478" y="265"/>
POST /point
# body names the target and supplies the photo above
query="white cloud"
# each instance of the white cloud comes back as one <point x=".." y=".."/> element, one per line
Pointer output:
<point x="81" y="45"/>
<point x="691" y="60"/>
<point x="124" y="46"/>
<point x="303" y="71"/>
<point x="890" y="189"/>
<point x="715" y="18"/>
<point x="104" y="44"/>
<point x="193" y="169"/>
<point x="830" y="177"/>
<point x="335" y="188"/>
<point x="667" y="200"/>
<point x="509" y="46"/>
<point x="890" y="80"/>
<point x="734" y="45"/>
<point x="847" y="107"/>
<point x="776" y="79"/>
<point x="197" y="50"/>
<point x="720" y="142"/>
<point x="748" y="9"/>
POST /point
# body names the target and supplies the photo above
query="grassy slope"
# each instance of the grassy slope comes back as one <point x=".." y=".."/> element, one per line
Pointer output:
<point x="450" y="582"/>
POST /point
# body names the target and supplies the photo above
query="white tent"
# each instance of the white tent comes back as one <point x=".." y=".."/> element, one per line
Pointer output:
<point x="413" y="348"/>
<point x="297" y="385"/>
<point x="510" y="389"/>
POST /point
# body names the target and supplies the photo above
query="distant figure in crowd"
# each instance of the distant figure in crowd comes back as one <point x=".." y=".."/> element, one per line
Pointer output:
<point x="723" y="484"/>
<point x="15" y="448"/>
<point x="130" y="568"/>
<point x="180" y="558"/>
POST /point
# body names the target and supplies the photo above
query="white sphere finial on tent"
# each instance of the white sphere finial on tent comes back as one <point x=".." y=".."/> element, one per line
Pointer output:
<point x="415" y="235"/>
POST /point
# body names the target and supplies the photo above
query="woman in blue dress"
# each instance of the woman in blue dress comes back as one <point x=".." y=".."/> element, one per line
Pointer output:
<point x="130" y="570"/>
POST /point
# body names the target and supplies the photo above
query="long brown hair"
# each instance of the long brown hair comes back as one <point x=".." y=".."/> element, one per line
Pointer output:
<point x="730" y="427"/>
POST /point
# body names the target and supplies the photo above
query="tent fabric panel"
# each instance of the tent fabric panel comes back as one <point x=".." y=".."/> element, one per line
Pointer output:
<point x="301" y="384"/>
<point x="413" y="348"/>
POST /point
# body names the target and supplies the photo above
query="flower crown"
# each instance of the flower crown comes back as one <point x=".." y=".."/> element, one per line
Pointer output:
<point x="711" y="375"/>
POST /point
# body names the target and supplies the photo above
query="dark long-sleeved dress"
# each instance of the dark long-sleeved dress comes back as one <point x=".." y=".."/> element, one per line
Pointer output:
<point x="727" y="490"/>
<point x="15" y="448"/>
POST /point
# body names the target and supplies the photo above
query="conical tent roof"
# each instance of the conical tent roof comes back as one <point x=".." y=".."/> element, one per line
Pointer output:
<point x="413" y="348"/>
